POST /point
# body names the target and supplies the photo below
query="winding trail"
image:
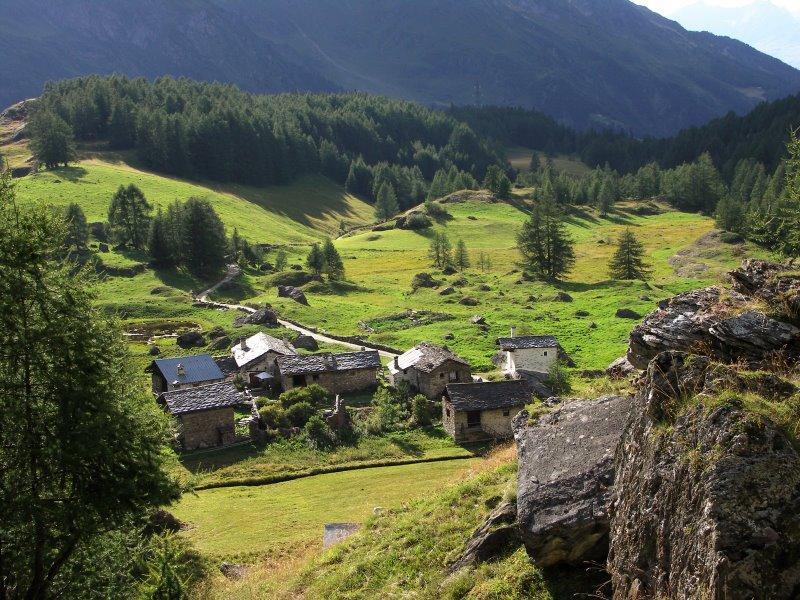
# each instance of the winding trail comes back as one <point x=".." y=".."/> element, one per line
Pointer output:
<point x="233" y="272"/>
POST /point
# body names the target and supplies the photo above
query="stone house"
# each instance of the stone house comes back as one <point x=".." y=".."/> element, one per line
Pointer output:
<point x="257" y="355"/>
<point x="204" y="414"/>
<point x="170" y="374"/>
<point x="477" y="412"/>
<point x="428" y="369"/>
<point x="338" y="373"/>
<point x="528" y="353"/>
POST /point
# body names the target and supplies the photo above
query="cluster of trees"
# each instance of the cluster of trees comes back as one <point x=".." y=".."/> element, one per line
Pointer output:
<point x="325" y="260"/>
<point x="84" y="462"/>
<point x="447" y="181"/>
<point x="218" y="132"/>
<point x="443" y="256"/>
<point x="765" y="208"/>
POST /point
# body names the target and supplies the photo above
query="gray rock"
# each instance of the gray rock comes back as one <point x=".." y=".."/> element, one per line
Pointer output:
<point x="191" y="339"/>
<point x="565" y="477"/>
<point x="103" y="247"/>
<point x="706" y="505"/>
<point x="289" y="291"/>
<point x="469" y="301"/>
<point x="264" y="316"/>
<point x="449" y="336"/>
<point x="306" y="342"/>
<point x="620" y="368"/>
<point x="627" y="313"/>
<point x="562" y="297"/>
<point x="447" y="291"/>
<point x="478" y="320"/>
<point x="220" y="343"/>
<point x="497" y="534"/>
<point x="233" y="571"/>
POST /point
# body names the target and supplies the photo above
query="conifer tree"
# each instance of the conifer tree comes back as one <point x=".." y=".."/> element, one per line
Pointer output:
<point x="461" y="257"/>
<point x="497" y="182"/>
<point x="159" y="243"/>
<point x="628" y="260"/>
<point x="315" y="261"/>
<point x="546" y="248"/>
<point x="607" y="197"/>
<point x="77" y="229"/>
<point x="333" y="265"/>
<point x="280" y="261"/>
<point x="386" y="204"/>
<point x="730" y="214"/>
<point x="129" y="216"/>
<point x="52" y="142"/>
<point x="789" y="207"/>
<point x="440" y="251"/>
<point x="202" y="237"/>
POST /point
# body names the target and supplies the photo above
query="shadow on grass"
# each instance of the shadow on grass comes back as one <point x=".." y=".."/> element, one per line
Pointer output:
<point x="71" y="174"/>
<point x="579" y="286"/>
<point x="584" y="581"/>
<point x="211" y="460"/>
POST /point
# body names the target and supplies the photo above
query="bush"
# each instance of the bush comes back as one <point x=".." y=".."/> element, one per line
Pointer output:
<point x="417" y="221"/>
<point x="559" y="379"/>
<point x="389" y="413"/>
<point x="436" y="210"/>
<point x="318" y="435"/>
<point x="729" y="237"/>
<point x="420" y="411"/>
<point x="273" y="416"/>
<point x="295" y="278"/>
<point x="423" y="280"/>
<point x="299" y="414"/>
<point x="315" y="395"/>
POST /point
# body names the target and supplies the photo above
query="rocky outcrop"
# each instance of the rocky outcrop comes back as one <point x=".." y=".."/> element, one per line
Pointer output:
<point x="265" y="316"/>
<point x="289" y="291"/>
<point x="306" y="342"/>
<point x="722" y="324"/>
<point x="494" y="536"/>
<point x="191" y="339"/>
<point x="620" y="368"/>
<point x="707" y="495"/>
<point x="769" y="281"/>
<point x="565" y="477"/>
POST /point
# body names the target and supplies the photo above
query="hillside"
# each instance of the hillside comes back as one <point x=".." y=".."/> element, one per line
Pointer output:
<point x="588" y="63"/>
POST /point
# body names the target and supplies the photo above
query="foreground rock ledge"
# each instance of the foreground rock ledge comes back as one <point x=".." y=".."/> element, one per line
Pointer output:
<point x="705" y="507"/>
<point x="564" y="481"/>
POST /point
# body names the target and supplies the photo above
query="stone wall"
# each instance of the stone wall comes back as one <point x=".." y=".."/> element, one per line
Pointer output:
<point x="207" y="428"/>
<point x="536" y="360"/>
<point x="338" y="382"/>
<point x="262" y="364"/>
<point x="432" y="384"/>
<point x="495" y="424"/>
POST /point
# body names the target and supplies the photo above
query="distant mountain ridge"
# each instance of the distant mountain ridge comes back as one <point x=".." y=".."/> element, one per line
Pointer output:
<point x="588" y="63"/>
<point x="762" y="24"/>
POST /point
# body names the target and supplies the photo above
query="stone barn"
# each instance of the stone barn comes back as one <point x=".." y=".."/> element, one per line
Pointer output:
<point x="338" y="373"/>
<point x="170" y="374"/>
<point x="477" y="412"/>
<point x="257" y="354"/>
<point x="204" y="414"/>
<point x="529" y="353"/>
<point x="429" y="368"/>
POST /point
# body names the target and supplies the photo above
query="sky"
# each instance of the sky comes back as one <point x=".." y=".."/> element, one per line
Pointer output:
<point x="668" y="7"/>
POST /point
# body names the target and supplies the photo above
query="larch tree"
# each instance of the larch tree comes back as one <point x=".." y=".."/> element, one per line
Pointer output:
<point x="333" y="265"/>
<point x="315" y="261"/>
<point x="129" y="217"/>
<point x="83" y="452"/>
<point x="461" y="256"/>
<point x="628" y="261"/>
<point x="52" y="142"/>
<point x="546" y="248"/>
<point x="202" y="238"/>
<point x="441" y="251"/>
<point x="77" y="228"/>
<point x="386" y="204"/>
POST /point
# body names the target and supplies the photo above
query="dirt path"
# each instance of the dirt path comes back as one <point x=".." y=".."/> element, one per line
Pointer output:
<point x="233" y="273"/>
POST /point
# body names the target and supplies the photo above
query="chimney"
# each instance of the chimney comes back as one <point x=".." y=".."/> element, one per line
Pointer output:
<point x="181" y="371"/>
<point x="363" y="348"/>
<point x="397" y="362"/>
<point x="243" y="344"/>
<point x="513" y="331"/>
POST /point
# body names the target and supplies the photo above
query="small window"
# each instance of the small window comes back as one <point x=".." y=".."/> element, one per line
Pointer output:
<point x="447" y="412"/>
<point x="441" y="375"/>
<point x="453" y="375"/>
<point x="506" y="413"/>
<point x="545" y="352"/>
<point x="474" y="418"/>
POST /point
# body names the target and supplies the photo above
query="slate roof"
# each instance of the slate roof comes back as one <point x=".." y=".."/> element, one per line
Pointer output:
<point x="257" y="346"/>
<point x="489" y="395"/>
<point x="528" y="341"/>
<point x="426" y="357"/>
<point x="195" y="369"/>
<point x="328" y="363"/>
<point x="204" y="397"/>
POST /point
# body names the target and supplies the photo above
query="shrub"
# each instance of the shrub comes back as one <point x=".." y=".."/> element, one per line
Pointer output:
<point x="273" y="416"/>
<point x="318" y="435"/>
<point x="315" y="395"/>
<point x="417" y="221"/>
<point x="299" y="414"/>
<point x="559" y="379"/>
<point x="389" y="413"/>
<point x="420" y="411"/>
<point x="436" y="210"/>
<point x="423" y="280"/>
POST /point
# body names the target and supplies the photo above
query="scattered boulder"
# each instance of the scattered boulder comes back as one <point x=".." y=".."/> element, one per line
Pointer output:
<point x="497" y="534"/>
<point x="266" y="267"/>
<point x="484" y="288"/>
<point x="562" y="297"/>
<point x="472" y="217"/>
<point x="447" y="291"/>
<point x="478" y="320"/>
<point x="154" y="350"/>
<point x="306" y="342"/>
<point x="233" y="571"/>
<point x="449" y="336"/>
<point x="469" y="301"/>
<point x="18" y="172"/>
<point x="423" y="280"/>
<point x="581" y="313"/>
<point x="264" y="316"/>
<point x="220" y="343"/>
<point x="564" y="480"/>
<point x="103" y="247"/>
<point x="592" y="325"/>
<point x="627" y="313"/>
<point x="460" y="281"/>
<point x="161" y="522"/>
<point x="707" y="507"/>
<point x="191" y="339"/>
<point x="217" y="332"/>
<point x="449" y="270"/>
<point x="644" y="298"/>
<point x="296" y="294"/>
<point x="620" y="368"/>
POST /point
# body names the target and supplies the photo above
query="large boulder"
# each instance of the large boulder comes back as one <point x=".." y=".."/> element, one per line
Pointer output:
<point x="306" y="342"/>
<point x="191" y="339"/>
<point x="769" y="281"/>
<point x="721" y="324"/>
<point x="493" y="537"/>
<point x="289" y="291"/>
<point x="264" y="316"/>
<point x="564" y="480"/>
<point x="707" y="494"/>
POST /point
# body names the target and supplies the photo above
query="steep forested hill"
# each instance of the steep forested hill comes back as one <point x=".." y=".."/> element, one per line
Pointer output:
<point x="586" y="62"/>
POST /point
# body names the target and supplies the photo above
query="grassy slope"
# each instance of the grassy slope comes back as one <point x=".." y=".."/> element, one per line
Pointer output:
<point x="247" y="523"/>
<point x="520" y="159"/>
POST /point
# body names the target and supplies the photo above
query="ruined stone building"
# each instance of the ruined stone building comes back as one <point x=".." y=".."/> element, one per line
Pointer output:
<point x="528" y="354"/>
<point x="255" y="357"/>
<point x="429" y="368"/>
<point x="184" y="371"/>
<point x="476" y="412"/>
<point x="204" y="414"/>
<point x="338" y="373"/>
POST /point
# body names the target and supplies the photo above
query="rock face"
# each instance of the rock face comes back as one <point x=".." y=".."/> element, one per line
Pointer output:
<point x="264" y="316"/>
<point x="495" y="535"/>
<point x="706" y="505"/>
<point x="565" y="477"/>
<point x="715" y="323"/>
<point x="289" y="291"/>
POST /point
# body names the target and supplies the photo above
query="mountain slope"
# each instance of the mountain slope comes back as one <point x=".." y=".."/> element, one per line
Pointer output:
<point x="762" y="24"/>
<point x="586" y="62"/>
